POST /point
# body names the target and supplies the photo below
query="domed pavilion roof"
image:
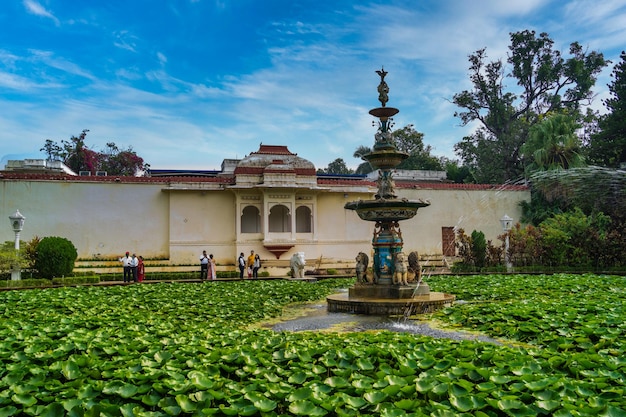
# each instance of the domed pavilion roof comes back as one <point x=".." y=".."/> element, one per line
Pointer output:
<point x="275" y="165"/>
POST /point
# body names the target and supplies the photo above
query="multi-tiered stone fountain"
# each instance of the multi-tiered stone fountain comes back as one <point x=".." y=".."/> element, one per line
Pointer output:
<point x="381" y="289"/>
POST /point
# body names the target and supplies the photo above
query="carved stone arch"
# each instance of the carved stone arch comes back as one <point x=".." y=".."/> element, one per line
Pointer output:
<point x="250" y="219"/>
<point x="304" y="219"/>
<point x="279" y="218"/>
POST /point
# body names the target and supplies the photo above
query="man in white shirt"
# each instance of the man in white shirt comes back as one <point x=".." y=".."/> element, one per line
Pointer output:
<point x="126" y="264"/>
<point x="204" y="266"/>
<point x="134" y="263"/>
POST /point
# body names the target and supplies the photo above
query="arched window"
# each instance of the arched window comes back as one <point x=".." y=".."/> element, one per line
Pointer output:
<point x="303" y="219"/>
<point x="279" y="219"/>
<point x="250" y="220"/>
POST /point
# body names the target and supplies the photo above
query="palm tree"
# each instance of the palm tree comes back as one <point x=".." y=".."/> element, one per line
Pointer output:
<point x="364" y="167"/>
<point x="553" y="144"/>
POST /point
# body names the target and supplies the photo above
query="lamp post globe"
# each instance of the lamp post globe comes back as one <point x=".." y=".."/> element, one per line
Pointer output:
<point x="507" y="225"/>
<point x="17" y="223"/>
<point x="506" y="222"/>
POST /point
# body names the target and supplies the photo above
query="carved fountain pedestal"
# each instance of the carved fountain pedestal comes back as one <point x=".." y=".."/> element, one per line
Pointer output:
<point x="387" y="291"/>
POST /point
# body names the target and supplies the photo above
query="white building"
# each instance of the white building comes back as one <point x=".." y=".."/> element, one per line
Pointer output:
<point x="271" y="202"/>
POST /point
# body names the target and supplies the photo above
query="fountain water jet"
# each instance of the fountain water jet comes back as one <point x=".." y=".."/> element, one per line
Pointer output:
<point x="387" y="291"/>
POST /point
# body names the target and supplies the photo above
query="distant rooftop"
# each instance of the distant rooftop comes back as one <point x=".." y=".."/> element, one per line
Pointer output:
<point x="38" y="166"/>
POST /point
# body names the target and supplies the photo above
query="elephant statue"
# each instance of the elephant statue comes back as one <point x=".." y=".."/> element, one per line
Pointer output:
<point x="297" y="263"/>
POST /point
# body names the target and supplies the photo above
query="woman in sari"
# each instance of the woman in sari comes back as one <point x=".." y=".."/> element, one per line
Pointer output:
<point x="211" y="267"/>
<point x="141" y="270"/>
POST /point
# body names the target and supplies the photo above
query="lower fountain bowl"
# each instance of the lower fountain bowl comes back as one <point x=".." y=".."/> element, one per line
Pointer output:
<point x="386" y="210"/>
<point x="419" y="304"/>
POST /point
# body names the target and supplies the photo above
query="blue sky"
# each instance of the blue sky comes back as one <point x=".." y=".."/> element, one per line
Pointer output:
<point x="188" y="83"/>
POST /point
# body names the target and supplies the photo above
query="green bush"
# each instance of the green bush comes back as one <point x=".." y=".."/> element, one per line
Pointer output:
<point x="55" y="257"/>
<point x="76" y="280"/>
<point x="25" y="283"/>
<point x="10" y="258"/>
<point x="479" y="248"/>
<point x="570" y="241"/>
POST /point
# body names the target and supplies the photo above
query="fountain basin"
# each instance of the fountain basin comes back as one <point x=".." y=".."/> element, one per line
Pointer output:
<point x="419" y="304"/>
<point x="386" y="210"/>
<point x="385" y="159"/>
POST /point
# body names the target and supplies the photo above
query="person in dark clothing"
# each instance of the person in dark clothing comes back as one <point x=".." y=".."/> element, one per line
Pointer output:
<point x="242" y="264"/>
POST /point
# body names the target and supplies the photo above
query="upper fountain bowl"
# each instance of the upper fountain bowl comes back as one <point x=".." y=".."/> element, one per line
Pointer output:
<point x="386" y="210"/>
<point x="384" y="113"/>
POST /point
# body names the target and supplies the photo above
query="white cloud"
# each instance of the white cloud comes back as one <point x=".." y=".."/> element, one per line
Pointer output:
<point x="162" y="58"/>
<point x="124" y="40"/>
<point x="48" y="58"/>
<point x="37" y="9"/>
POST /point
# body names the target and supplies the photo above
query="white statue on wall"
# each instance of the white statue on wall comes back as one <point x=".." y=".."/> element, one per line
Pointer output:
<point x="297" y="265"/>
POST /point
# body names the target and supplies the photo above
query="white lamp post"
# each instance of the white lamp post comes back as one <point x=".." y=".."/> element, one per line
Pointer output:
<point x="17" y="222"/>
<point x="507" y="225"/>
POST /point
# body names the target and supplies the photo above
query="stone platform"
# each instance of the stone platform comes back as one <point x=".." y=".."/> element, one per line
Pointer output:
<point x="419" y="304"/>
<point x="388" y="291"/>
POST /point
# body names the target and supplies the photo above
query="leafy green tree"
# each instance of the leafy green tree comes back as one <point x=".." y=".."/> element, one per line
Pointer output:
<point x="608" y="146"/>
<point x="411" y="141"/>
<point x="457" y="173"/>
<point x="539" y="208"/>
<point x="338" y="166"/>
<point x="553" y="144"/>
<point x="78" y="157"/>
<point x="55" y="257"/>
<point x="548" y="83"/>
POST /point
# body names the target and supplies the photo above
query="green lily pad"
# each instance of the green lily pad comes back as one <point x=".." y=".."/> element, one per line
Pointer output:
<point x="306" y="408"/>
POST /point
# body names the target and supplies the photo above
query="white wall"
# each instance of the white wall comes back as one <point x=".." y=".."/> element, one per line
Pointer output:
<point x="101" y="219"/>
<point x="105" y="219"/>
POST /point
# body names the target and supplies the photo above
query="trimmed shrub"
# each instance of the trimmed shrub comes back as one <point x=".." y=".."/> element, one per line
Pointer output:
<point x="479" y="248"/>
<point x="25" y="283"/>
<point x="76" y="280"/>
<point x="55" y="257"/>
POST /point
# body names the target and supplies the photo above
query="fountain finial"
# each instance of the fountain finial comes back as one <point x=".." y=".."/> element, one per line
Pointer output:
<point x="383" y="88"/>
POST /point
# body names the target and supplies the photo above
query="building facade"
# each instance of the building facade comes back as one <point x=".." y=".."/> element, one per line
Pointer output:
<point x="271" y="201"/>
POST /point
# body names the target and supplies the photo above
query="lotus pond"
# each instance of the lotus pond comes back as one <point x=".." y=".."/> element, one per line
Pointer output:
<point x="188" y="349"/>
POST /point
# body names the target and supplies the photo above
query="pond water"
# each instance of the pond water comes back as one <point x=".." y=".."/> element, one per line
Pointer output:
<point x="315" y="317"/>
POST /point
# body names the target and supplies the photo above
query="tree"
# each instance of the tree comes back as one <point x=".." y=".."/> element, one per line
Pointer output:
<point x="78" y="157"/>
<point x="608" y="146"/>
<point x="338" y="166"/>
<point x="364" y="167"/>
<point x="548" y="83"/>
<point x="553" y="144"/>
<point x="411" y="141"/>
<point x="458" y="173"/>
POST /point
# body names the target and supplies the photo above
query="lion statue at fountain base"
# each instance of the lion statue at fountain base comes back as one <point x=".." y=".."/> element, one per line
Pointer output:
<point x="401" y="269"/>
<point x="415" y="270"/>
<point x="363" y="276"/>
<point x="297" y="263"/>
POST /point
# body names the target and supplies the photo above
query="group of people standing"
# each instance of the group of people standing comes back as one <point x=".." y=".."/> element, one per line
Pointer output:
<point x="252" y="264"/>
<point x="133" y="268"/>
<point x="207" y="266"/>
